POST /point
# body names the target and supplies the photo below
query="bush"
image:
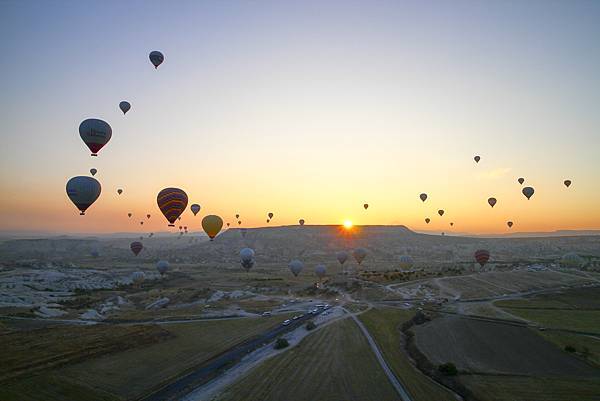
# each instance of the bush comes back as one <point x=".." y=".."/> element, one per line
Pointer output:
<point x="310" y="325"/>
<point x="281" y="343"/>
<point x="570" y="348"/>
<point x="448" y="369"/>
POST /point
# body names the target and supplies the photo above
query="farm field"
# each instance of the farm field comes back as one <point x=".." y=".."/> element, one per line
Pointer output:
<point x="487" y="347"/>
<point x="384" y="326"/>
<point x="131" y="372"/>
<point x="522" y="388"/>
<point x="335" y="363"/>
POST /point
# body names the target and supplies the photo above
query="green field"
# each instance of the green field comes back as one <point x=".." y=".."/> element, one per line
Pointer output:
<point x="125" y="373"/>
<point x="519" y="388"/>
<point x="335" y="363"/>
<point x="384" y="326"/>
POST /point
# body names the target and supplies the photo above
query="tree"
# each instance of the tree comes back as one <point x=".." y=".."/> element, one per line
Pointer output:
<point x="448" y="369"/>
<point x="281" y="343"/>
<point x="310" y="325"/>
<point x="570" y="348"/>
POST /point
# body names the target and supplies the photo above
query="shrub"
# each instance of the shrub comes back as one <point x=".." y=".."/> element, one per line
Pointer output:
<point x="448" y="369"/>
<point x="310" y="325"/>
<point x="570" y="348"/>
<point x="281" y="343"/>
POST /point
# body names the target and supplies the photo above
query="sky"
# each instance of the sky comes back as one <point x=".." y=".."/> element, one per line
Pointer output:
<point x="305" y="109"/>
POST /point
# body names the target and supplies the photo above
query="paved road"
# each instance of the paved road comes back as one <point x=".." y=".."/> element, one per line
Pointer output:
<point x="391" y="376"/>
<point x="207" y="371"/>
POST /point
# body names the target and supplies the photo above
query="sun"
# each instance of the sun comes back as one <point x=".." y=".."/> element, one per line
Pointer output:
<point x="348" y="224"/>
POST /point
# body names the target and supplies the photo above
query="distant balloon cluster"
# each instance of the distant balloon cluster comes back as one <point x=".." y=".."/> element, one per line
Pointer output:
<point x="83" y="191"/>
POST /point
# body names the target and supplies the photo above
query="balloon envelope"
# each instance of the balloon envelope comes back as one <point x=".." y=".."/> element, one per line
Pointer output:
<point x="247" y="254"/>
<point x="301" y="222"/>
<point x="521" y="180"/>
<point x="211" y="225"/>
<point x="83" y="192"/>
<point x="162" y="266"/>
<point x="137" y="277"/>
<point x="571" y="259"/>
<point x="172" y="202"/>
<point x="477" y="158"/>
<point x="270" y="215"/>
<point x="136" y="247"/>
<point x="423" y="197"/>
<point x="482" y="256"/>
<point x="119" y="191"/>
<point x="406" y="262"/>
<point x="366" y="206"/>
<point x="93" y="171"/>
<point x="124" y="106"/>
<point x="359" y="254"/>
<point x="95" y="134"/>
<point x="427" y="220"/>
<point x="528" y="192"/>
<point x="342" y="257"/>
<point x="441" y="212"/>
<point x="567" y="183"/>
<point x="492" y="201"/>
<point x="156" y="58"/>
<point x="195" y="208"/>
<point x="296" y="267"/>
<point x="320" y="271"/>
<point x="509" y="224"/>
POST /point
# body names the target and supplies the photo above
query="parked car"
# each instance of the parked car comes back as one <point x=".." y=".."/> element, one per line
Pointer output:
<point x="287" y="322"/>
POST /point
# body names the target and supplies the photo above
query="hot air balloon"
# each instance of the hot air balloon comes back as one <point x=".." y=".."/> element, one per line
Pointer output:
<point x="567" y="183"/>
<point x="451" y="224"/>
<point x="528" y="192"/>
<point x="141" y="223"/>
<point x="124" y="106"/>
<point x="296" y="267"/>
<point x="492" y="201"/>
<point x="406" y="262"/>
<point x="441" y="212"/>
<point x="482" y="256"/>
<point x="212" y="225"/>
<point x="239" y="222"/>
<point x="268" y="220"/>
<point x="359" y="254"/>
<point x="427" y="220"/>
<point x="95" y="134"/>
<point x="93" y="171"/>
<point x="270" y="216"/>
<point x="162" y="266"/>
<point x="320" y="271"/>
<point x="129" y="214"/>
<point x="195" y="208"/>
<point x="509" y="224"/>
<point x="423" y="197"/>
<point x="95" y="253"/>
<point x="119" y="191"/>
<point x="172" y="202"/>
<point x="141" y="238"/>
<point x="341" y="257"/>
<point x="228" y="224"/>
<point x="83" y="192"/>
<point x="301" y="222"/>
<point x="180" y="228"/>
<point x="237" y="216"/>
<point x="247" y="258"/>
<point x="477" y="158"/>
<point x="137" y="278"/>
<point x="148" y="216"/>
<point x="136" y="247"/>
<point x="156" y="58"/>
<point x="366" y="206"/>
<point x="151" y="234"/>
<point x="521" y="180"/>
<point x="571" y="259"/>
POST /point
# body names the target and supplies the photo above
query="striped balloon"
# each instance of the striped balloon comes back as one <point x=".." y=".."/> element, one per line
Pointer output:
<point x="482" y="256"/>
<point x="172" y="202"/>
<point x="136" y="247"/>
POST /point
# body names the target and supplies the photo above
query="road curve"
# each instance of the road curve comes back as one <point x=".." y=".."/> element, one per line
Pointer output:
<point x="391" y="376"/>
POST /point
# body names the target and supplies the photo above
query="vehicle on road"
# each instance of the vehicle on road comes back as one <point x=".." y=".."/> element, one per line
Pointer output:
<point x="286" y="322"/>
